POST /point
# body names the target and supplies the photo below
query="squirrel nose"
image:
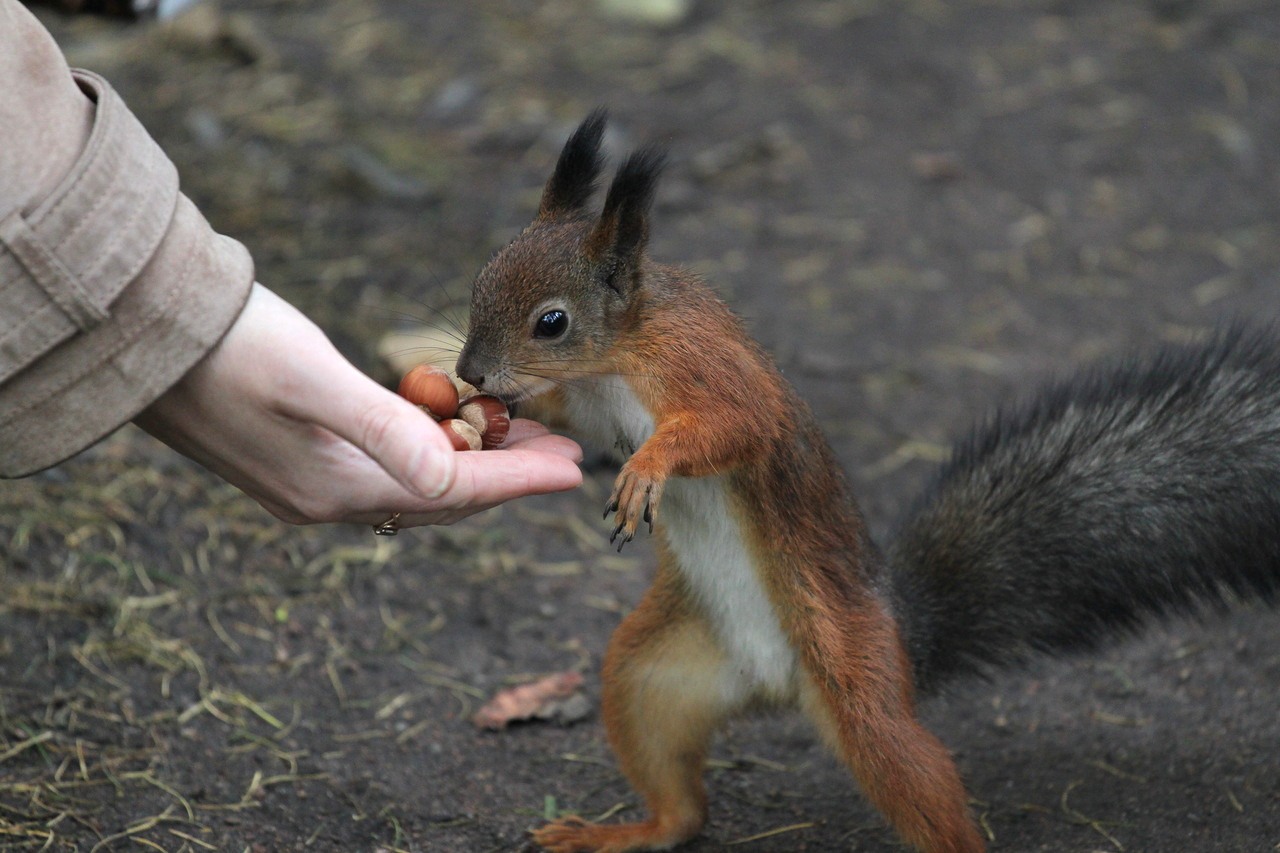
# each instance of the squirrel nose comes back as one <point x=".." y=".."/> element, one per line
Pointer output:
<point x="468" y="371"/>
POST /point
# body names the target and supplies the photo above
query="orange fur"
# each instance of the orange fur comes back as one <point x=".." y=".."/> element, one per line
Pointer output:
<point x="863" y="709"/>
<point x="663" y="675"/>
<point x="811" y="550"/>
<point x="655" y="364"/>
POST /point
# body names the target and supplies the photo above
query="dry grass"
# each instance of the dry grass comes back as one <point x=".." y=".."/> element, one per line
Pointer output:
<point x="921" y="207"/>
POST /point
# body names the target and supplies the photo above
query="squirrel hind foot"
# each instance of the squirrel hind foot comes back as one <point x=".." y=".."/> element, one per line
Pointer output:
<point x="574" y="835"/>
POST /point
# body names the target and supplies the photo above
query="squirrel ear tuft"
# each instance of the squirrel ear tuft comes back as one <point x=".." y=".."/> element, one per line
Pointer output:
<point x="618" y="240"/>
<point x="574" y="178"/>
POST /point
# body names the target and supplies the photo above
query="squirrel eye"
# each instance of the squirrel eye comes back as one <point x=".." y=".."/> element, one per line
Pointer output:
<point x="551" y="324"/>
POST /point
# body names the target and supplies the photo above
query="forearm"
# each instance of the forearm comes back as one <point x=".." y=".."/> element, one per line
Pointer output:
<point x="112" y="285"/>
<point x="698" y="444"/>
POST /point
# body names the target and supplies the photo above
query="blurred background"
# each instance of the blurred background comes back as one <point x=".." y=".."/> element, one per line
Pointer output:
<point x="924" y="208"/>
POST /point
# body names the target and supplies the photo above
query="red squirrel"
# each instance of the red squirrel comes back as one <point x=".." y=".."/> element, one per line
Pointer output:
<point x="769" y="590"/>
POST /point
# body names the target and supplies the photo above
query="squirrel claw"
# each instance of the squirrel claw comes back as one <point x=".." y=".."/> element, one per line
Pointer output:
<point x="630" y="534"/>
<point x="635" y="498"/>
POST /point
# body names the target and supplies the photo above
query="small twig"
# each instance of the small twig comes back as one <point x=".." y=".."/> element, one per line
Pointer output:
<point x="795" y="827"/>
<point x="1080" y="817"/>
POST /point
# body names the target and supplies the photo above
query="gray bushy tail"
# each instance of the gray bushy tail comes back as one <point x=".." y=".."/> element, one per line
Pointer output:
<point x="1146" y="489"/>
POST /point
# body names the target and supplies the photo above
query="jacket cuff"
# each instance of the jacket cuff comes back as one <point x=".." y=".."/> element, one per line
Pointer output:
<point x="112" y="289"/>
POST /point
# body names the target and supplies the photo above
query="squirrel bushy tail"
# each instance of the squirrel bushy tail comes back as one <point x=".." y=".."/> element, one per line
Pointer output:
<point x="1149" y="488"/>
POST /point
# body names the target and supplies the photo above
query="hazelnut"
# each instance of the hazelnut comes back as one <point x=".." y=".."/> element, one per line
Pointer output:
<point x="489" y="416"/>
<point x="430" y="387"/>
<point x="463" y="435"/>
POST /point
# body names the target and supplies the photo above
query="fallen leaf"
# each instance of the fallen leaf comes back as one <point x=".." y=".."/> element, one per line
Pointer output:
<point x="552" y="697"/>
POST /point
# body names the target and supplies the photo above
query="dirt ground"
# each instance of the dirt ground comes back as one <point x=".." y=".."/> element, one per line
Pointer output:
<point x="924" y="208"/>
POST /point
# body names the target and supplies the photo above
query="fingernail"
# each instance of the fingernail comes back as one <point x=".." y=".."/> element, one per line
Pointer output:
<point x="435" y="472"/>
<point x="566" y="448"/>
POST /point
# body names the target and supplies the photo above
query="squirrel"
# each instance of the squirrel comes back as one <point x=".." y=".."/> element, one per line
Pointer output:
<point x="1113" y="496"/>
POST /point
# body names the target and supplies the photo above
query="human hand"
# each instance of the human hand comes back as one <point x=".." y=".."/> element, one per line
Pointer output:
<point x="277" y="411"/>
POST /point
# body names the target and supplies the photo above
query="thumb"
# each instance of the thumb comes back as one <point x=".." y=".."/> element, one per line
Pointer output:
<point x="398" y="436"/>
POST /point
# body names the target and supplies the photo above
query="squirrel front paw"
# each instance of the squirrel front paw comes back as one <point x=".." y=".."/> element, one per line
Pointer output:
<point x="635" y="498"/>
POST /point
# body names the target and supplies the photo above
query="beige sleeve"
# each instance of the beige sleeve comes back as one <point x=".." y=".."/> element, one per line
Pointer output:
<point x="112" y="285"/>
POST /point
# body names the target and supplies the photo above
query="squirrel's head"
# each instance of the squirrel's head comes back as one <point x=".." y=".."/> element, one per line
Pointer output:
<point x="547" y="308"/>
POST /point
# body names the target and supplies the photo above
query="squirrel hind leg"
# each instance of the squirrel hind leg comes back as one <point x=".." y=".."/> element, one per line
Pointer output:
<point x="667" y="687"/>
<point x="866" y="715"/>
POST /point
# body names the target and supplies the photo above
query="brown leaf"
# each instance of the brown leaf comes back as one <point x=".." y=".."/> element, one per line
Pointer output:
<point x="537" y="699"/>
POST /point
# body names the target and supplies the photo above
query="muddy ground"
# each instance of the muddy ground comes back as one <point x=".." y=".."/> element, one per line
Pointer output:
<point x="924" y="208"/>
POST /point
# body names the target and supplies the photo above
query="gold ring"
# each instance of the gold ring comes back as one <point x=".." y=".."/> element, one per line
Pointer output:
<point x="390" y="527"/>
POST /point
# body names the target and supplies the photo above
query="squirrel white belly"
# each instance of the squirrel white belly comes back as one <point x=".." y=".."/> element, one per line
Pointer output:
<point x="707" y="545"/>
<point x="704" y="536"/>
